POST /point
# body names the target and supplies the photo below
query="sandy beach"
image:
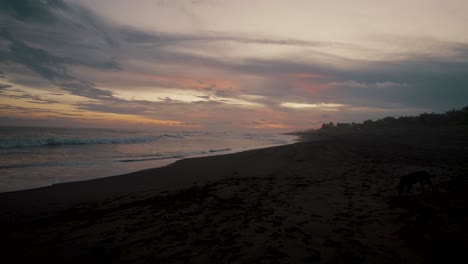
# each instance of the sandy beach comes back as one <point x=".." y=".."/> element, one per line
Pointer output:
<point x="329" y="199"/>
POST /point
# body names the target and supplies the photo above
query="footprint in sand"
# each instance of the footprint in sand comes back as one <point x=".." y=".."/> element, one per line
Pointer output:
<point x="345" y="232"/>
<point x="276" y="253"/>
<point x="314" y="255"/>
<point x="261" y="229"/>
<point x="293" y="229"/>
<point x="332" y="243"/>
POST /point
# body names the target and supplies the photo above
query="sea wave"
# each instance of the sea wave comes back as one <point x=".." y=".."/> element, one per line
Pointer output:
<point x="171" y="156"/>
<point x="152" y="158"/>
<point x="220" y="150"/>
<point x="41" y="142"/>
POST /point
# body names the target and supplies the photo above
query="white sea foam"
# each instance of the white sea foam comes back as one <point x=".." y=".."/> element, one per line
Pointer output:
<point x="40" y="142"/>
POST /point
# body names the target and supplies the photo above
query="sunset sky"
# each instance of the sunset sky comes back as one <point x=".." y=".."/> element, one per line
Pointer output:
<point x="219" y="65"/>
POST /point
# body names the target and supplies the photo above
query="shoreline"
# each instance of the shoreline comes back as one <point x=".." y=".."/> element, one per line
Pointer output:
<point x="329" y="200"/>
<point x="67" y="193"/>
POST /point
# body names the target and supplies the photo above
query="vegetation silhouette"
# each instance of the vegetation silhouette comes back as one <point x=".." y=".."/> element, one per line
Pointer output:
<point x="450" y="118"/>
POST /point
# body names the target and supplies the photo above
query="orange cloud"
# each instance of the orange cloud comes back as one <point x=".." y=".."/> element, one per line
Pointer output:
<point x="308" y="82"/>
<point x="192" y="83"/>
<point x="310" y="87"/>
<point x="306" y="75"/>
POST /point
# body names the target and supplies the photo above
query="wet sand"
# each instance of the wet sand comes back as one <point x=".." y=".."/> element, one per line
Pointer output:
<point x="331" y="199"/>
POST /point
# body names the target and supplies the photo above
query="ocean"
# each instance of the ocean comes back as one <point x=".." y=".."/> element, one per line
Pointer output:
<point x="32" y="157"/>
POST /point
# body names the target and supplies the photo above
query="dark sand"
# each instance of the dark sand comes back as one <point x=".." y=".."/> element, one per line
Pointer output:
<point x="330" y="200"/>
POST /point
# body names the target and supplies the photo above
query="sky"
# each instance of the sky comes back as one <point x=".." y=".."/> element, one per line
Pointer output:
<point x="219" y="65"/>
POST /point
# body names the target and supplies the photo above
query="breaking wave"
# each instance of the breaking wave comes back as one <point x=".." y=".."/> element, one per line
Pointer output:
<point x="25" y="143"/>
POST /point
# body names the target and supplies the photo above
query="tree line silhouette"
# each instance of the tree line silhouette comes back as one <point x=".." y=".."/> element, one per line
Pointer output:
<point x="449" y="118"/>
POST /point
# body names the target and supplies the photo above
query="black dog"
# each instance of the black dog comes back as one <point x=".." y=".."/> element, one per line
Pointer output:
<point x="407" y="181"/>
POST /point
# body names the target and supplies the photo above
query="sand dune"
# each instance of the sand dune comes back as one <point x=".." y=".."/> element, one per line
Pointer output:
<point x="329" y="200"/>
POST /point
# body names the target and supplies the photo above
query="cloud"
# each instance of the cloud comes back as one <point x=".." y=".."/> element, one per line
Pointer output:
<point x="380" y="85"/>
<point x="390" y="84"/>
<point x="158" y="38"/>
<point x="5" y="86"/>
<point x="30" y="10"/>
<point x="319" y="106"/>
<point x="350" y="83"/>
<point x="27" y="34"/>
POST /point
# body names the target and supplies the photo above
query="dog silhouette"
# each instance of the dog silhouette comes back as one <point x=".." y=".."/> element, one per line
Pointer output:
<point x="407" y="181"/>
